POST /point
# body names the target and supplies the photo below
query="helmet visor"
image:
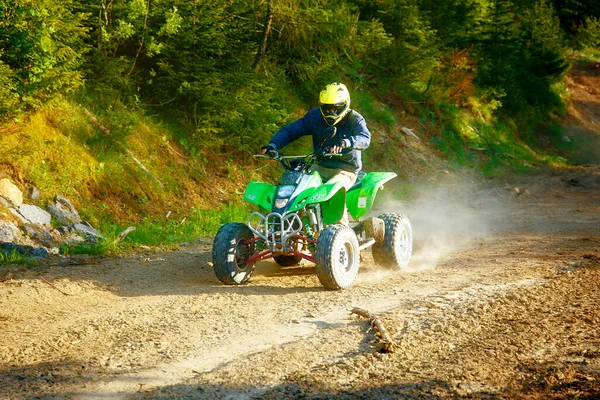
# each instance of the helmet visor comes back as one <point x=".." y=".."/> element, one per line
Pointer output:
<point x="333" y="109"/>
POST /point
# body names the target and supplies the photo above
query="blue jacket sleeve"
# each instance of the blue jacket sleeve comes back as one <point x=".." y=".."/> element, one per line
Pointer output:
<point x="361" y="136"/>
<point x="291" y="132"/>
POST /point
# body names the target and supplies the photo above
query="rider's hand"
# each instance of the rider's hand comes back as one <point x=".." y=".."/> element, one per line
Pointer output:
<point x="269" y="150"/>
<point x="338" y="147"/>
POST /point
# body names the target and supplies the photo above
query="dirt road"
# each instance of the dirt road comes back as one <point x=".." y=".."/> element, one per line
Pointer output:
<point x="502" y="300"/>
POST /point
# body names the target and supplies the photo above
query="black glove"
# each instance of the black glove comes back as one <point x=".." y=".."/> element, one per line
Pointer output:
<point x="269" y="150"/>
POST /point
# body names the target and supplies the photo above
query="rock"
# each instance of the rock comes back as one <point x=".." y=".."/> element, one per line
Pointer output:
<point x="10" y="192"/>
<point x="383" y="137"/>
<point x="33" y="193"/>
<point x="69" y="235"/>
<point x="24" y="250"/>
<point x="35" y="215"/>
<point x="73" y="239"/>
<point x="91" y="234"/>
<point x="8" y="232"/>
<point x="18" y="215"/>
<point x="40" y="235"/>
<point x="63" y="210"/>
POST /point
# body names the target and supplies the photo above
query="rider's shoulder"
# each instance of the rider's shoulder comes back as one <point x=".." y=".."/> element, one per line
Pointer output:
<point x="355" y="114"/>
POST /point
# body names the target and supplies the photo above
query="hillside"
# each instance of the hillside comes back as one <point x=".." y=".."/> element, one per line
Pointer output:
<point x="149" y="180"/>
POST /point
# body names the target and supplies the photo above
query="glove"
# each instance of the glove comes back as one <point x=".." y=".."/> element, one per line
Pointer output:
<point x="342" y="144"/>
<point x="269" y="150"/>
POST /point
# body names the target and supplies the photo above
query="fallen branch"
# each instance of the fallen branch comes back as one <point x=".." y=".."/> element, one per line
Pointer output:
<point x="489" y="144"/>
<point x="409" y="132"/>
<point x="125" y="233"/>
<point x="54" y="286"/>
<point x="97" y="122"/>
<point x="142" y="166"/>
<point x="387" y="345"/>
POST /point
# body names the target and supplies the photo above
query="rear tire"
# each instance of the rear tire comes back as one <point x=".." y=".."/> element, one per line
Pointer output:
<point x="396" y="248"/>
<point x="287" y="261"/>
<point x="337" y="257"/>
<point x="229" y="249"/>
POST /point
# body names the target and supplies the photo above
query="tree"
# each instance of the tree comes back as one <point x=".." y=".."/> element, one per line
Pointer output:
<point x="521" y="54"/>
<point x="41" y="43"/>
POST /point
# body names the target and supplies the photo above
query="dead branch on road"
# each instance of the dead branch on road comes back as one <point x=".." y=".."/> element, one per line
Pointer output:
<point x="54" y="286"/>
<point x="387" y="345"/>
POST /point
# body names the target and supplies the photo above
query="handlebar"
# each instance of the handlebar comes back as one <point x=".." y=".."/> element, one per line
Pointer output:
<point x="293" y="162"/>
<point x="282" y="157"/>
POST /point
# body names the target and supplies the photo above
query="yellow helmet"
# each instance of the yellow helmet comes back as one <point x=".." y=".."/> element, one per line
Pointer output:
<point x="334" y="102"/>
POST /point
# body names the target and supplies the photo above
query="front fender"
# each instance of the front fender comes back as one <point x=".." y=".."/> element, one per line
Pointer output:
<point x="260" y="194"/>
<point x="360" y="200"/>
<point x="332" y="197"/>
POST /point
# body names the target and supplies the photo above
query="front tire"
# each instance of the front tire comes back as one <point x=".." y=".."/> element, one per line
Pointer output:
<point x="229" y="250"/>
<point x="396" y="248"/>
<point x="337" y="257"/>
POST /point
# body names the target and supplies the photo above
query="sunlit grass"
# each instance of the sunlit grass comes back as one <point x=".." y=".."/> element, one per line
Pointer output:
<point x="14" y="257"/>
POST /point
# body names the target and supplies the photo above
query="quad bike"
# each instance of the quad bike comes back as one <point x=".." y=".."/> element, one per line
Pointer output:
<point x="297" y="219"/>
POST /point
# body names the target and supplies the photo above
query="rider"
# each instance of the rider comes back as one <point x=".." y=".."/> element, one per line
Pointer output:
<point x="350" y="136"/>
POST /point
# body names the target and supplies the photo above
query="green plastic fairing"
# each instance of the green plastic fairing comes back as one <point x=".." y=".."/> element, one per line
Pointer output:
<point x="360" y="200"/>
<point x="331" y="196"/>
<point x="260" y="194"/>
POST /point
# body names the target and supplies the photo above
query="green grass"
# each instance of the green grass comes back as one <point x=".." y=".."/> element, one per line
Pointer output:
<point x="162" y="232"/>
<point x="372" y="110"/>
<point x="14" y="257"/>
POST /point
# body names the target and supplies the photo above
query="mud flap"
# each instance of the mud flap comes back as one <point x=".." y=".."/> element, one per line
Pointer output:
<point x="375" y="228"/>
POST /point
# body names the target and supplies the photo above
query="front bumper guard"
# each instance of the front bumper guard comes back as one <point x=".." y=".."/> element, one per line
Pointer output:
<point x="275" y="229"/>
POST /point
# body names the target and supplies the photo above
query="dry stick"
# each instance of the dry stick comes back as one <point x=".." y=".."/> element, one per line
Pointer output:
<point x="54" y="286"/>
<point x="142" y="166"/>
<point x="129" y="152"/>
<point x="387" y="345"/>
<point x="125" y="233"/>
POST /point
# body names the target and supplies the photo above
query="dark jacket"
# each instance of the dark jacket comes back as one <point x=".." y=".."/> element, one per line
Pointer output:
<point x="352" y="127"/>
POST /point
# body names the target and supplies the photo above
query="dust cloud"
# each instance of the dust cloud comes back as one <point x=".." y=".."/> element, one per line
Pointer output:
<point x="446" y="218"/>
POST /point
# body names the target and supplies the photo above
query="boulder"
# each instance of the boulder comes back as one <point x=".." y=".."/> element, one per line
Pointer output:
<point x="10" y="192"/>
<point x="17" y="215"/>
<point x="41" y="235"/>
<point x="35" y="215"/>
<point x="9" y="232"/>
<point x="91" y="234"/>
<point x="24" y="250"/>
<point x="63" y="210"/>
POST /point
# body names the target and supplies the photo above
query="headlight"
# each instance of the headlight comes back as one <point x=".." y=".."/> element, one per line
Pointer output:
<point x="285" y="190"/>
<point x="280" y="203"/>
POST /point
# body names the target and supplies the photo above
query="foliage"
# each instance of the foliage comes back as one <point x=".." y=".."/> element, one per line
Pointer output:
<point x="574" y="13"/>
<point x="522" y="56"/>
<point x="14" y="257"/>
<point x="42" y="44"/>
<point x="9" y="98"/>
<point x="588" y="33"/>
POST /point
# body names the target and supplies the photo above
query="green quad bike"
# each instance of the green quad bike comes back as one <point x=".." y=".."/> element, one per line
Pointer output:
<point x="298" y="220"/>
